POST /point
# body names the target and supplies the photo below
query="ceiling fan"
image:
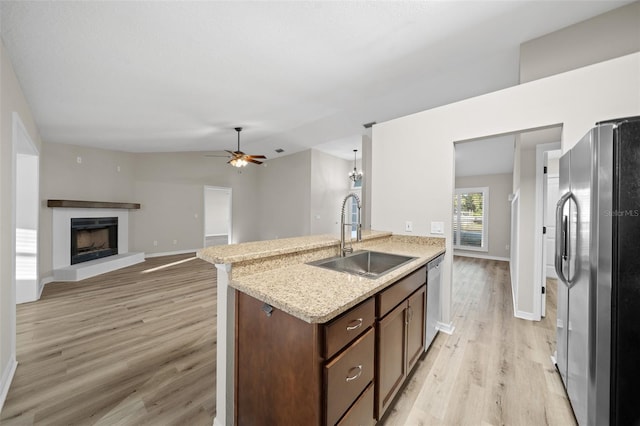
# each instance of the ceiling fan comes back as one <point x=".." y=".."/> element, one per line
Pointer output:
<point x="239" y="158"/>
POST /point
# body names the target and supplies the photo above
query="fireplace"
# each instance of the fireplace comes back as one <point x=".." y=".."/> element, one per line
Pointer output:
<point x="93" y="238"/>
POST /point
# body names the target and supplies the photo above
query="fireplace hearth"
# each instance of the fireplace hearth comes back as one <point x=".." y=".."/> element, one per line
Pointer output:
<point x="93" y="238"/>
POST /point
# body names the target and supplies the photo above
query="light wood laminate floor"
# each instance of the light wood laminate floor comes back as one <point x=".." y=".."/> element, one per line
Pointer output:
<point x="495" y="369"/>
<point x="123" y="348"/>
<point x="133" y="348"/>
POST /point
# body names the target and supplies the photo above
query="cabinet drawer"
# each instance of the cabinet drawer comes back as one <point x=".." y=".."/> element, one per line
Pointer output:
<point x="361" y="413"/>
<point x="347" y="375"/>
<point x="342" y="330"/>
<point x="392" y="296"/>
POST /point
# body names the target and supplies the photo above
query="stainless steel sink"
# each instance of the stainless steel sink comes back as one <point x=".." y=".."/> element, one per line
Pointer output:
<point x="369" y="264"/>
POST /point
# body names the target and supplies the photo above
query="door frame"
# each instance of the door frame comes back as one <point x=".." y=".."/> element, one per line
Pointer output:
<point x="539" y="266"/>
<point x="204" y="212"/>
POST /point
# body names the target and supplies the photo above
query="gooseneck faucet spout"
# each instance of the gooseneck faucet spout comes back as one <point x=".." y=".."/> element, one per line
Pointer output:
<point x="343" y="245"/>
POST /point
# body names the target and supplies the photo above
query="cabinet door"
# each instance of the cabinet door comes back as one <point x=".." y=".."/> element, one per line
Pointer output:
<point x="416" y="326"/>
<point x="391" y="363"/>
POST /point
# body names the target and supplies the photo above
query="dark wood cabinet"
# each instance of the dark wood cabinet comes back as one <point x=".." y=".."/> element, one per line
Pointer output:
<point x="345" y="372"/>
<point x="416" y="320"/>
<point x="391" y="364"/>
<point x="289" y="371"/>
<point x="400" y="336"/>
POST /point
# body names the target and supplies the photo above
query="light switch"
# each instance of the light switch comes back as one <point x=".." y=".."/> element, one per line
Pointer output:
<point x="437" y="227"/>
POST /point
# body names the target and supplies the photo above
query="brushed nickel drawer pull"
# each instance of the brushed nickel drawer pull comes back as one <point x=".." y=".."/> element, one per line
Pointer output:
<point x="353" y="327"/>
<point x="359" y="368"/>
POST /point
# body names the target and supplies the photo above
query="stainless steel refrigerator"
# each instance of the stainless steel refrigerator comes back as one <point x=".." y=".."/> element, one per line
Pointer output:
<point x="597" y="260"/>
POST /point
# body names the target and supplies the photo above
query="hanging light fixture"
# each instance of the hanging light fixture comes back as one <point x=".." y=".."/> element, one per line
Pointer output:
<point x="355" y="175"/>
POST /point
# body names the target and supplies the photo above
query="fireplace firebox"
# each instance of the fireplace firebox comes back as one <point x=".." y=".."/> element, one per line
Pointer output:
<point x="93" y="238"/>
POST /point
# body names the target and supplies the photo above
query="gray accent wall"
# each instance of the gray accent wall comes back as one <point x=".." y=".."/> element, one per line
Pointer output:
<point x="607" y="36"/>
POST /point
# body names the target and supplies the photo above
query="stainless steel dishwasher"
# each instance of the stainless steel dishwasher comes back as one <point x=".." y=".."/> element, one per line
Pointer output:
<point x="433" y="299"/>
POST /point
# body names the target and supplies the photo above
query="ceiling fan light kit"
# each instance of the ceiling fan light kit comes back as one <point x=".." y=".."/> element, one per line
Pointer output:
<point x="240" y="159"/>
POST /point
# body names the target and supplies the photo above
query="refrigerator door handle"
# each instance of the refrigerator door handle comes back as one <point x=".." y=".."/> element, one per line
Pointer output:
<point x="562" y="238"/>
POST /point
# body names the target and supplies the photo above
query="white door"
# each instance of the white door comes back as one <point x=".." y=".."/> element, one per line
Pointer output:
<point x="550" y="223"/>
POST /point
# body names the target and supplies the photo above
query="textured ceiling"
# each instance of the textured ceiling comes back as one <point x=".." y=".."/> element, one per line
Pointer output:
<point x="178" y="76"/>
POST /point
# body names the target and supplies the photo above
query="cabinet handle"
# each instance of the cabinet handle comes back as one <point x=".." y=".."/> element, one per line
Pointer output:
<point x="350" y="378"/>
<point x="409" y="314"/>
<point x="353" y="327"/>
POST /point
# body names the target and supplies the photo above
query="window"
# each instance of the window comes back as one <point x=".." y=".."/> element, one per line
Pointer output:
<point x="354" y="213"/>
<point x="470" y="218"/>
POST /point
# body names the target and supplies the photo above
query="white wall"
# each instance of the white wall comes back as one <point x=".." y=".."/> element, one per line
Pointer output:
<point x="329" y="185"/>
<point x="499" y="224"/>
<point x="576" y="99"/>
<point x="11" y="100"/>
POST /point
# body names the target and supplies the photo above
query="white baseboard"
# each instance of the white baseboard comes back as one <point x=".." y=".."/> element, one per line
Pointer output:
<point x="6" y="379"/>
<point x="171" y="253"/>
<point x="43" y="282"/>
<point x="526" y="316"/>
<point x="446" y="328"/>
<point x="481" y="256"/>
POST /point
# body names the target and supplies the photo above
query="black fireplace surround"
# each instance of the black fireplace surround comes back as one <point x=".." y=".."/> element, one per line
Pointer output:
<point x="93" y="238"/>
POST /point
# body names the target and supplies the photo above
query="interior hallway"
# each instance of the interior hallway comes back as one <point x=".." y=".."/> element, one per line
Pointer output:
<point x="495" y="369"/>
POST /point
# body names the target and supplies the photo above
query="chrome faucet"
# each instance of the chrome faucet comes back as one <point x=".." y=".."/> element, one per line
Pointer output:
<point x="343" y="246"/>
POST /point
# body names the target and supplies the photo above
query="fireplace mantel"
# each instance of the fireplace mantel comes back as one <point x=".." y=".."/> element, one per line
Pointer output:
<point x="92" y="204"/>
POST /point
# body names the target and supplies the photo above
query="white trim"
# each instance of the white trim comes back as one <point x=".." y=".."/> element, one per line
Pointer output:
<point x="538" y="261"/>
<point x="481" y="256"/>
<point x="515" y="250"/>
<point x="446" y="328"/>
<point x="44" y="282"/>
<point x="171" y="253"/>
<point x="5" y="381"/>
<point x="526" y="316"/>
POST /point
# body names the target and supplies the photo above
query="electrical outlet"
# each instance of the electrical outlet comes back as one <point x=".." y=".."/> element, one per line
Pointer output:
<point x="79" y="160"/>
<point x="408" y="226"/>
<point x="175" y="242"/>
<point x="506" y="247"/>
<point x="155" y="243"/>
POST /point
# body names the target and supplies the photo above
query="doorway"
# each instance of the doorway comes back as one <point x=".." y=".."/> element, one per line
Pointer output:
<point x="26" y="162"/>
<point x="550" y="196"/>
<point x="217" y="216"/>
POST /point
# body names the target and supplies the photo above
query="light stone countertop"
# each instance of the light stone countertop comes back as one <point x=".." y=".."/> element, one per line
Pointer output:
<point x="315" y="294"/>
<point x="235" y="253"/>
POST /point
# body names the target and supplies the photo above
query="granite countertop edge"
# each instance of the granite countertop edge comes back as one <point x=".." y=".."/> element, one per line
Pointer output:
<point x="317" y="295"/>
<point x="255" y="250"/>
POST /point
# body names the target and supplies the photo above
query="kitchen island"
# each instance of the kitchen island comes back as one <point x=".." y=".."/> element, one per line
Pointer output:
<point x="273" y="279"/>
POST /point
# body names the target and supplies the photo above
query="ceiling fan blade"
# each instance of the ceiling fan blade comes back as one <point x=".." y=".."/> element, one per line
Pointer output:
<point x="251" y="160"/>
<point x="230" y="152"/>
<point x="239" y="153"/>
<point x="258" y="156"/>
<point x="215" y="156"/>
